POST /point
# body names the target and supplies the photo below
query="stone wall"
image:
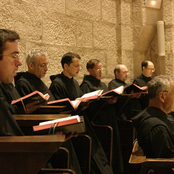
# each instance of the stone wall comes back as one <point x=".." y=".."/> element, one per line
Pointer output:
<point x="113" y="31"/>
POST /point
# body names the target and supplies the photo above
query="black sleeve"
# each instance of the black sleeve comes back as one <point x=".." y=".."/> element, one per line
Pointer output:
<point x="161" y="144"/>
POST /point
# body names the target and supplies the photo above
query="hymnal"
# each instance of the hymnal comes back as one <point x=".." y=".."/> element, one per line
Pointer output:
<point x="71" y="105"/>
<point x="114" y="92"/>
<point x="72" y="124"/>
<point x="34" y="96"/>
<point x="74" y="104"/>
<point x="91" y="95"/>
<point x="135" y="88"/>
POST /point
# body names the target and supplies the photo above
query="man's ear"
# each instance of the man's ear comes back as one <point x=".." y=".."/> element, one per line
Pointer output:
<point x="30" y="65"/>
<point x="116" y="74"/>
<point x="65" y="65"/>
<point x="89" y="70"/>
<point x="162" y="96"/>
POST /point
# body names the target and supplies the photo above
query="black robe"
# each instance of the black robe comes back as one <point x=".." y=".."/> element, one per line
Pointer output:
<point x="9" y="93"/>
<point x="64" y="87"/>
<point x="132" y="106"/>
<point x="155" y="133"/>
<point x="8" y="125"/>
<point x="142" y="81"/>
<point x="115" y="83"/>
<point x="106" y="116"/>
<point x="29" y="83"/>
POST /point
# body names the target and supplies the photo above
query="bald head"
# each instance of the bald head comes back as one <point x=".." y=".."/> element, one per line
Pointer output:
<point x="121" y="72"/>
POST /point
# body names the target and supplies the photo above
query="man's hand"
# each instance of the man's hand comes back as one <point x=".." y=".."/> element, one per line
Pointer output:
<point x="112" y="100"/>
<point x="31" y="107"/>
<point x="135" y="95"/>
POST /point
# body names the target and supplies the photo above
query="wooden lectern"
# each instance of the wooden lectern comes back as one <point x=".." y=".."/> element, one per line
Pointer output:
<point x="27" y="154"/>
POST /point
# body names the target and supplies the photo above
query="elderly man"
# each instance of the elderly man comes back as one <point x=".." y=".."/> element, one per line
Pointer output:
<point x="30" y="81"/>
<point x="154" y="131"/>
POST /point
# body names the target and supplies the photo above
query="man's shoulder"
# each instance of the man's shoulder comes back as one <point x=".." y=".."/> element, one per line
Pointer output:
<point x="116" y="82"/>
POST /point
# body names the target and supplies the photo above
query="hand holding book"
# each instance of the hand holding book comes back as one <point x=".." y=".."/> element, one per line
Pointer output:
<point x="31" y="107"/>
<point x="30" y="101"/>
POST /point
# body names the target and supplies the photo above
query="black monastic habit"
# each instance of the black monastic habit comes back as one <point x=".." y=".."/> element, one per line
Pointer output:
<point x="155" y="133"/>
<point x="8" y="125"/>
<point x="115" y="83"/>
<point x="29" y="83"/>
<point x="106" y="116"/>
<point x="9" y="93"/>
<point x="142" y="81"/>
<point x="64" y="87"/>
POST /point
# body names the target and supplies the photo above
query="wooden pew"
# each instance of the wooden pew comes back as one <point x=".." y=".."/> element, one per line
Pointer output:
<point x="27" y="154"/>
<point x="82" y="143"/>
<point x="56" y="171"/>
<point x="150" y="165"/>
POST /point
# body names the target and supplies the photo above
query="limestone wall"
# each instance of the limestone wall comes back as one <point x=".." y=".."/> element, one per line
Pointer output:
<point x="113" y="31"/>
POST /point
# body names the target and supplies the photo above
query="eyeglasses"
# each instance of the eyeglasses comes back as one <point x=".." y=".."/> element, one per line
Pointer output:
<point x="42" y="65"/>
<point x="167" y="92"/>
<point x="99" y="69"/>
<point x="151" y="69"/>
<point x="77" y="66"/>
<point x="13" y="55"/>
<point x="125" y="72"/>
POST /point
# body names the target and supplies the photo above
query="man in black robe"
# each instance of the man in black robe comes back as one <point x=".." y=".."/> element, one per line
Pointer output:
<point x="131" y="106"/>
<point x="106" y="114"/>
<point x="65" y="86"/>
<point x="121" y="73"/>
<point x="147" y="72"/>
<point x="30" y="81"/>
<point x="9" y="62"/>
<point x="154" y="131"/>
<point x="9" y="93"/>
<point x="142" y="80"/>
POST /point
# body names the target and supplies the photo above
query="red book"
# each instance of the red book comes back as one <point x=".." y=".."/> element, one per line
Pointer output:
<point x="65" y="102"/>
<point x="135" y="88"/>
<point x="114" y="92"/>
<point x="72" y="124"/>
<point x="34" y="96"/>
<point x="90" y="95"/>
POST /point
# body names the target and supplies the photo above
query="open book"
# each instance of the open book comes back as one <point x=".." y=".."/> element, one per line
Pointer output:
<point x="74" y="104"/>
<point x="65" y="102"/>
<point x="72" y="124"/>
<point x="114" y="92"/>
<point x="135" y="88"/>
<point x="34" y="96"/>
<point x="90" y="95"/>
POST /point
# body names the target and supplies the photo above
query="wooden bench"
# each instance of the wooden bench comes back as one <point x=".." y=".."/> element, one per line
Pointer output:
<point x="27" y="154"/>
<point x="150" y="165"/>
<point x="82" y="143"/>
<point x="56" y="171"/>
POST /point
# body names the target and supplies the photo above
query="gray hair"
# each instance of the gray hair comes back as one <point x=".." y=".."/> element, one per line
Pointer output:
<point x="158" y="84"/>
<point x="31" y="57"/>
